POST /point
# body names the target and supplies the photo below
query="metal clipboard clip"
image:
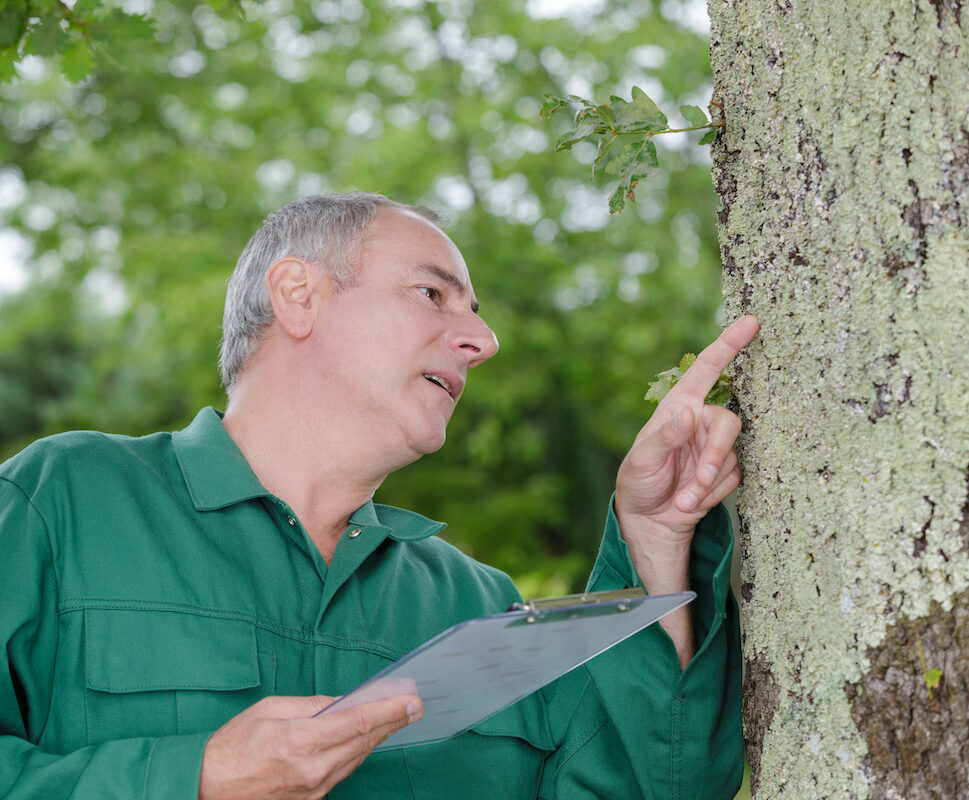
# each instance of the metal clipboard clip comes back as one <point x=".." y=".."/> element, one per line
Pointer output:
<point x="550" y="609"/>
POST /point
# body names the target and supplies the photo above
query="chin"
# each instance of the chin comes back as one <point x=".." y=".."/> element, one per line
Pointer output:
<point x="425" y="438"/>
<point x="429" y="442"/>
<point x="432" y="447"/>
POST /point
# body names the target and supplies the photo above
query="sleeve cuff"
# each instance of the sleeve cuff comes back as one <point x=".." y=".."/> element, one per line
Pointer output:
<point x="175" y="767"/>
<point x="710" y="560"/>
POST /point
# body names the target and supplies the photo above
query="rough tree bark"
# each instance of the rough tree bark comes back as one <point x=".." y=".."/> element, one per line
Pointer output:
<point x="844" y="179"/>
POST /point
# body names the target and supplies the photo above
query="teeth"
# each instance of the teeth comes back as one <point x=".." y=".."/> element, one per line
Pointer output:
<point x="439" y="381"/>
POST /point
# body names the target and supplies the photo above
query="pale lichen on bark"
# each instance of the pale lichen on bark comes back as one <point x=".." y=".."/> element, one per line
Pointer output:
<point x="844" y="179"/>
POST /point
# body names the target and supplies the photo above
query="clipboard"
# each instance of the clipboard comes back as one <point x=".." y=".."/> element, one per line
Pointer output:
<point x="481" y="666"/>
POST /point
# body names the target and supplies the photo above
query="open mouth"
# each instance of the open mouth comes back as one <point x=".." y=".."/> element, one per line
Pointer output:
<point x="437" y="379"/>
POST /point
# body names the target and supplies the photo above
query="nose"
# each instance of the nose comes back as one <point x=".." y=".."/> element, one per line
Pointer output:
<point x="476" y="341"/>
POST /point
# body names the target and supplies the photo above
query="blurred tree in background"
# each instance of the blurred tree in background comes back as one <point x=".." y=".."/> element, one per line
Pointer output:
<point x="127" y="196"/>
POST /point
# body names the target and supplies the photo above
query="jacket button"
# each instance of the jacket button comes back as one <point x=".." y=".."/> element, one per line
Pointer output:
<point x="292" y="521"/>
<point x="354" y="533"/>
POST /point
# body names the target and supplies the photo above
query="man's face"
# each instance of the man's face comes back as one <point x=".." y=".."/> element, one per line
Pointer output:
<point x="400" y="341"/>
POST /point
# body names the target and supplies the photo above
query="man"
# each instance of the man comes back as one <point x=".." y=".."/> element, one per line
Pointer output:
<point x="233" y="576"/>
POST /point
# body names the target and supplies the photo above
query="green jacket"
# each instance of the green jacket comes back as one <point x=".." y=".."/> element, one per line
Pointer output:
<point x="152" y="588"/>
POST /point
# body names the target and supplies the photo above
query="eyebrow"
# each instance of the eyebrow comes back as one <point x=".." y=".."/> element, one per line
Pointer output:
<point x="450" y="279"/>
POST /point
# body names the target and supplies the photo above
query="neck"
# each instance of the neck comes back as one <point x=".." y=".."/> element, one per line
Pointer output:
<point x="312" y="467"/>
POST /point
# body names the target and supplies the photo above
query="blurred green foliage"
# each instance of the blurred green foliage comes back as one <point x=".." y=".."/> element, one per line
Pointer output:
<point x="127" y="196"/>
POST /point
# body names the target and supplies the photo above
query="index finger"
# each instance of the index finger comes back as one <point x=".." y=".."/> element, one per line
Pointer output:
<point x="380" y="717"/>
<point x="379" y="689"/>
<point x="703" y="374"/>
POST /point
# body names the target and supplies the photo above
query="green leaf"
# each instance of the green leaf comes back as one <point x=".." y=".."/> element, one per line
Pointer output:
<point x="648" y="157"/>
<point x="709" y="136"/>
<point x="551" y="105"/>
<point x="90" y="8"/>
<point x="659" y="388"/>
<point x="117" y="26"/>
<point x="932" y="678"/>
<point x="641" y="115"/>
<point x="606" y="114"/>
<point x="720" y="394"/>
<point x="77" y="61"/>
<point x="574" y="98"/>
<point x="622" y="162"/>
<point x="13" y="22"/>
<point x="634" y="159"/>
<point x="582" y="130"/>
<point x="605" y="142"/>
<point x="667" y="379"/>
<point x="234" y="7"/>
<point x="47" y="38"/>
<point x="694" y="115"/>
<point x="7" y="70"/>
<point x="617" y="200"/>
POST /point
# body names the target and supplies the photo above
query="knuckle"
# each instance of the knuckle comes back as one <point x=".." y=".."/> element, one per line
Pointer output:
<point x="313" y="776"/>
<point x="361" y="721"/>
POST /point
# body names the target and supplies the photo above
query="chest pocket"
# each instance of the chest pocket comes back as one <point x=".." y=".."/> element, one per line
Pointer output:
<point x="159" y="673"/>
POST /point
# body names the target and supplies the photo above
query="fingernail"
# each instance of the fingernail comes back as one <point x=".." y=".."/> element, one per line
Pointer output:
<point x="412" y="708"/>
<point x="709" y="473"/>
<point x="689" y="501"/>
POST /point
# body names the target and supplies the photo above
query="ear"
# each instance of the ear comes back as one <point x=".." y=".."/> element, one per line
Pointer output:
<point x="293" y="285"/>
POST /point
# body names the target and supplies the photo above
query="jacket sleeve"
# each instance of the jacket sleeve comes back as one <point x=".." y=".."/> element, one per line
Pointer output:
<point x="152" y="769"/>
<point x="630" y="723"/>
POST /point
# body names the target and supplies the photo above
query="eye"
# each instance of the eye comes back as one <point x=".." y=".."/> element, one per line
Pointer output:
<point x="429" y="291"/>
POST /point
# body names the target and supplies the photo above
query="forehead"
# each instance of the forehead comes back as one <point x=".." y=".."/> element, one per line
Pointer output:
<point x="405" y="240"/>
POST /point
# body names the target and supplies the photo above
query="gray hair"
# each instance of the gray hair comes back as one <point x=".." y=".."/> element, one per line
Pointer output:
<point x="324" y="230"/>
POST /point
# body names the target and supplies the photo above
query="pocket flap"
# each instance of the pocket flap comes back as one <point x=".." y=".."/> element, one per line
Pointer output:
<point x="527" y="719"/>
<point x="138" y="651"/>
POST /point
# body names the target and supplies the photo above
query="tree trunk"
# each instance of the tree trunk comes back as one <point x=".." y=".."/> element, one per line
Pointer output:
<point x="843" y="173"/>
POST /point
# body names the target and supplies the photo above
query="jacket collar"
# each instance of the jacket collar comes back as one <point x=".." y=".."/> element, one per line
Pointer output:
<point x="215" y="471"/>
